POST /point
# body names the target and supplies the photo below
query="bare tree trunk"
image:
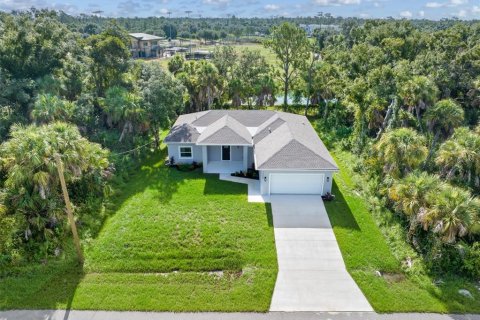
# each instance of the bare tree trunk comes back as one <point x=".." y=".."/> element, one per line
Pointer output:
<point x="432" y="148"/>
<point x="307" y="105"/>
<point x="419" y="120"/>
<point x="126" y="126"/>
<point x="69" y="210"/>
<point x="285" y="95"/>
<point x="386" y="119"/>
<point x="156" y="136"/>
<point x="325" y="111"/>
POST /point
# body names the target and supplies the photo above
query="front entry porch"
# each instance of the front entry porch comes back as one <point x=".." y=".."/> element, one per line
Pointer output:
<point x="226" y="159"/>
<point x="223" y="166"/>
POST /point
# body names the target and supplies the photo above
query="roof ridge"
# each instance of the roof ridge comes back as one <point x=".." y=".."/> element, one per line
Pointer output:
<point x="278" y="151"/>
<point x="321" y="156"/>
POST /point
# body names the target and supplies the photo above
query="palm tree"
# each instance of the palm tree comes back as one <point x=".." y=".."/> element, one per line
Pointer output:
<point x="122" y="106"/>
<point x="459" y="157"/>
<point x="32" y="179"/>
<point x="418" y="93"/>
<point x="452" y="213"/>
<point x="48" y="108"/>
<point x="410" y="196"/>
<point x="443" y="118"/>
<point x="400" y="151"/>
<point x="208" y="82"/>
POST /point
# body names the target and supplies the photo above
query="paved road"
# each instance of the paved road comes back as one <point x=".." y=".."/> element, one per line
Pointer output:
<point x="115" y="315"/>
<point x="311" y="272"/>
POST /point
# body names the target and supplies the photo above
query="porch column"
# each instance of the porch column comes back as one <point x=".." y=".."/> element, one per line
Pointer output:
<point x="245" y="158"/>
<point x="204" y="159"/>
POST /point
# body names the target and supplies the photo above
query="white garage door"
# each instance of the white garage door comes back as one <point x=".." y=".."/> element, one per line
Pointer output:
<point x="296" y="183"/>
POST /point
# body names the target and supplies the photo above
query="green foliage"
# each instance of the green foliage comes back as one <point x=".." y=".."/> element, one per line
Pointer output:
<point x="32" y="191"/>
<point x="162" y="97"/>
<point x="203" y="83"/>
<point x="175" y="64"/>
<point x="251" y="81"/>
<point x="49" y="108"/>
<point x="471" y="263"/>
<point x="29" y="48"/>
<point x="109" y="55"/>
<point x="459" y="158"/>
<point x="291" y="46"/>
<point x="400" y="151"/>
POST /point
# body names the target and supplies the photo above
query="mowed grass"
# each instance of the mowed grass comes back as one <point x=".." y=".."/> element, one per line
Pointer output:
<point x="177" y="241"/>
<point x="365" y="251"/>
<point x="239" y="48"/>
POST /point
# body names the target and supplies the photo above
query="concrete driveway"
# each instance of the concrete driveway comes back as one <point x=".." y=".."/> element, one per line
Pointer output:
<point x="312" y="275"/>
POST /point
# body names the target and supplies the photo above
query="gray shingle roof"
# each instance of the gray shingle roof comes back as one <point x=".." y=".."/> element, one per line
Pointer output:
<point x="182" y="133"/>
<point x="248" y="118"/>
<point x="276" y="150"/>
<point x="144" y="36"/>
<point x="268" y="128"/>
<point x="281" y="140"/>
<point x="225" y="130"/>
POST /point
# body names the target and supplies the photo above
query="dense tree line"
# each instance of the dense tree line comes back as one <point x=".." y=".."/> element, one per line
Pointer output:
<point x="69" y="98"/>
<point x="406" y="100"/>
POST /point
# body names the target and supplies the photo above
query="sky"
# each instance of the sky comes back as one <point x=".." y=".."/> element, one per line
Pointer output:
<point x="408" y="9"/>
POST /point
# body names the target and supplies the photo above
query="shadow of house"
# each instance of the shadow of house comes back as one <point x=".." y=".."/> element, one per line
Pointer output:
<point x="215" y="186"/>
<point x="339" y="212"/>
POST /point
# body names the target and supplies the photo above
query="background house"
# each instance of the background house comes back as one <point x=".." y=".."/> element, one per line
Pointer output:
<point x="145" y="45"/>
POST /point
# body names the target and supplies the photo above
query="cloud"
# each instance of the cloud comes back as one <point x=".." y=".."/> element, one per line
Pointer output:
<point x="476" y="9"/>
<point x="434" y="5"/>
<point x="406" y="14"/>
<point x="421" y="13"/>
<point x="217" y="2"/>
<point x="271" y="7"/>
<point x="461" y="13"/>
<point x="9" y="5"/>
<point x="450" y="3"/>
<point x="129" y="7"/>
<point x="326" y="3"/>
<point x="162" y="11"/>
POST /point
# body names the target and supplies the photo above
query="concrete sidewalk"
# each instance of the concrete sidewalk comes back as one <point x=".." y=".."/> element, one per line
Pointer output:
<point x="118" y="315"/>
<point x="311" y="272"/>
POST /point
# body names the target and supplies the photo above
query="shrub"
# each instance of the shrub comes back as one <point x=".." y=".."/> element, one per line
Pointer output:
<point x="471" y="262"/>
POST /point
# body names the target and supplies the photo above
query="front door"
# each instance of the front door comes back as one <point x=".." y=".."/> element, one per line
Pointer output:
<point x="226" y="153"/>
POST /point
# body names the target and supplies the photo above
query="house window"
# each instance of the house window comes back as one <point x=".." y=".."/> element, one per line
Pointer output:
<point x="185" y="152"/>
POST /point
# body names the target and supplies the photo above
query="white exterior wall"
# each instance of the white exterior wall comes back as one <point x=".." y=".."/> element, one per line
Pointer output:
<point x="173" y="151"/>
<point x="214" y="153"/>
<point x="265" y="179"/>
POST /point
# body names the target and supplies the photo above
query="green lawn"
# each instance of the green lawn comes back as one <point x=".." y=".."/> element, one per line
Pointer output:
<point x="177" y="241"/>
<point x="365" y="250"/>
<point x="239" y="48"/>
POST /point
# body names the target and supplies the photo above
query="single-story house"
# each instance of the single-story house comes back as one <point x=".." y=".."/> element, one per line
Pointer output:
<point x="283" y="147"/>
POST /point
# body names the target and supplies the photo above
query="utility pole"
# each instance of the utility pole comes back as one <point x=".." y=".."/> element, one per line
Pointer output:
<point x="188" y="12"/>
<point x="68" y="206"/>
<point x="170" y="23"/>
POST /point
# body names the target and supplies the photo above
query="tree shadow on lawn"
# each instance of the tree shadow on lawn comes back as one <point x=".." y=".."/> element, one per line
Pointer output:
<point x="53" y="285"/>
<point x="339" y="211"/>
<point x="50" y="286"/>
<point x="215" y="186"/>
<point x="454" y="302"/>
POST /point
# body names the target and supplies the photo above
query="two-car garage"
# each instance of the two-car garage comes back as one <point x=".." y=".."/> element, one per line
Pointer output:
<point x="295" y="182"/>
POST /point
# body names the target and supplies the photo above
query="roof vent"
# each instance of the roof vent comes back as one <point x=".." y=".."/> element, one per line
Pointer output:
<point x="269" y="130"/>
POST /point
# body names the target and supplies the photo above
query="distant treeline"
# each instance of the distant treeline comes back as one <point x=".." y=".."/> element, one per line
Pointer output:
<point x="222" y="28"/>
